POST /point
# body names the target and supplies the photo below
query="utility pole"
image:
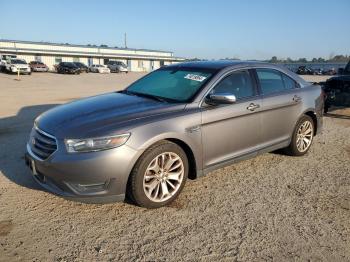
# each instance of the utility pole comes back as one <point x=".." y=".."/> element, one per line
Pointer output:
<point x="125" y="45"/>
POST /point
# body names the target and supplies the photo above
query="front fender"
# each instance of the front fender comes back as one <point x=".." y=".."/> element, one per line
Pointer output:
<point x="179" y="128"/>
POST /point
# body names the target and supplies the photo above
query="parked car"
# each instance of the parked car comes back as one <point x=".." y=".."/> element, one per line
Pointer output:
<point x="318" y="71"/>
<point x="14" y="65"/>
<point x="67" y="68"/>
<point x="2" y="65"/>
<point x="303" y="70"/>
<point x="82" y="67"/>
<point x="180" y="121"/>
<point x="3" y="61"/>
<point x="37" y="66"/>
<point x="337" y="89"/>
<point x="330" y="72"/>
<point x="117" y="66"/>
<point x="99" y="69"/>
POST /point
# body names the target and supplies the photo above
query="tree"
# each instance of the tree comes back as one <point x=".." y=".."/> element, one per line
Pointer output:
<point x="274" y="59"/>
<point x="289" y="60"/>
<point x="321" y="60"/>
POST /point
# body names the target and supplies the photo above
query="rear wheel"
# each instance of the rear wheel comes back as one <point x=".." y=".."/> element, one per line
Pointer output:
<point x="302" y="137"/>
<point x="158" y="176"/>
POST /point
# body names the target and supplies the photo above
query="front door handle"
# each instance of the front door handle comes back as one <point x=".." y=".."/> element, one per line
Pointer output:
<point x="253" y="106"/>
<point x="296" y="98"/>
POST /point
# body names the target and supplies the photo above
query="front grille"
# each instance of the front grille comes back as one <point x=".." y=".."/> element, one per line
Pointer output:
<point x="42" y="144"/>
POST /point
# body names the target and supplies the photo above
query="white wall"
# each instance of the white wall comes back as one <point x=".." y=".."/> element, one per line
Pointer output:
<point x="135" y="65"/>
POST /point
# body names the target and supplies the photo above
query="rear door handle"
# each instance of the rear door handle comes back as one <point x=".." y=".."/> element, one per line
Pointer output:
<point x="296" y="98"/>
<point x="253" y="106"/>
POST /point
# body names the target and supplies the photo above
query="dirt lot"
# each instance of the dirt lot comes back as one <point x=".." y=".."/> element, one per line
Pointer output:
<point x="271" y="208"/>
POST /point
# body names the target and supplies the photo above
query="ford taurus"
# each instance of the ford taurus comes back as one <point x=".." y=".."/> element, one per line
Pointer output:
<point x="178" y="122"/>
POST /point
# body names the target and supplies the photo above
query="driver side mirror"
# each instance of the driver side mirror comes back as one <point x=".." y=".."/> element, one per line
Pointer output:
<point x="220" y="98"/>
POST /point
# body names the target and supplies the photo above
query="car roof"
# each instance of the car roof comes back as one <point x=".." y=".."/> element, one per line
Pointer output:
<point x="217" y="64"/>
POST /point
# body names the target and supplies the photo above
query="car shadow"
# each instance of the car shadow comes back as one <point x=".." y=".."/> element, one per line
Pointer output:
<point x="334" y="115"/>
<point x="340" y="112"/>
<point x="14" y="133"/>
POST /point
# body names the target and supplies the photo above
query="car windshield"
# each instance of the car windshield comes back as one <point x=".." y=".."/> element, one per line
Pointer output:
<point x="347" y="69"/>
<point x="17" y="61"/>
<point x="69" y="65"/>
<point x="172" y="84"/>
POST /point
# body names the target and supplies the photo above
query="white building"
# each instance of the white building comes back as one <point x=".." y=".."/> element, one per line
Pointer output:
<point x="139" y="60"/>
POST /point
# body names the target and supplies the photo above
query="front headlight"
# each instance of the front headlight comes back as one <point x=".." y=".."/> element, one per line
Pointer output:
<point x="95" y="144"/>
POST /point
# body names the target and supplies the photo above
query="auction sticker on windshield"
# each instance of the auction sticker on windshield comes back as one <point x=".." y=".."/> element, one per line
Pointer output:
<point x="195" y="77"/>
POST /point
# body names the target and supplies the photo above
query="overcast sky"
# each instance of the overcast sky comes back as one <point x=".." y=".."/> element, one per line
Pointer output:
<point x="254" y="29"/>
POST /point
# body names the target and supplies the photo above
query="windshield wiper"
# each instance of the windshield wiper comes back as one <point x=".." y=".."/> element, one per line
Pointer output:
<point x="157" y="98"/>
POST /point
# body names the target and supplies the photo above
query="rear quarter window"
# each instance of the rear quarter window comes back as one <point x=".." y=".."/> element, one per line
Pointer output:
<point x="289" y="83"/>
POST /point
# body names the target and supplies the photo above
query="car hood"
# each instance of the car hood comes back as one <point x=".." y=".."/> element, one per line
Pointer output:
<point x="20" y="65"/>
<point x="340" y="78"/>
<point x="101" y="115"/>
<point x="36" y="65"/>
<point x="70" y="67"/>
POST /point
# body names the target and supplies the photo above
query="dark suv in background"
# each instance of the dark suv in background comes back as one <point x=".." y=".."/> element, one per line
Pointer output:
<point x="337" y="89"/>
<point x="82" y="67"/>
<point x="67" y="68"/>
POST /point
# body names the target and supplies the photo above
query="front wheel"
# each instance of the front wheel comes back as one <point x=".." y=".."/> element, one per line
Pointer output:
<point x="302" y="137"/>
<point x="158" y="176"/>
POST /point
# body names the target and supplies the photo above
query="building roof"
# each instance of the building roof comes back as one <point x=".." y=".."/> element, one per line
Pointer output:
<point x="82" y="46"/>
<point x="35" y="48"/>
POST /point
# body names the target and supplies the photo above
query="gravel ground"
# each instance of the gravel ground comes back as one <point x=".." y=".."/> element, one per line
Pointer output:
<point x="270" y="208"/>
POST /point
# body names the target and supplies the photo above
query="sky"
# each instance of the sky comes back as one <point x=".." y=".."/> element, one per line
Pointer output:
<point x="253" y="29"/>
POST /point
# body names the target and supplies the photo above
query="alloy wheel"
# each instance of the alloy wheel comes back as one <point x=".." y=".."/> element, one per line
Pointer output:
<point x="304" y="136"/>
<point x="163" y="177"/>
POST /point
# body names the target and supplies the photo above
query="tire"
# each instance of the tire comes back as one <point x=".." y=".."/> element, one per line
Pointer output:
<point x="326" y="108"/>
<point x="299" y="137"/>
<point x="149" y="192"/>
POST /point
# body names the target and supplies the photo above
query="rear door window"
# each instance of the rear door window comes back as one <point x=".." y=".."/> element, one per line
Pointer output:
<point x="272" y="81"/>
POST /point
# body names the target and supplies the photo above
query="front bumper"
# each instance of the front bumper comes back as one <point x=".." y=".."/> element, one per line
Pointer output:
<point x="96" y="177"/>
<point x="104" y="71"/>
<point x="40" y="69"/>
<point x="21" y="70"/>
